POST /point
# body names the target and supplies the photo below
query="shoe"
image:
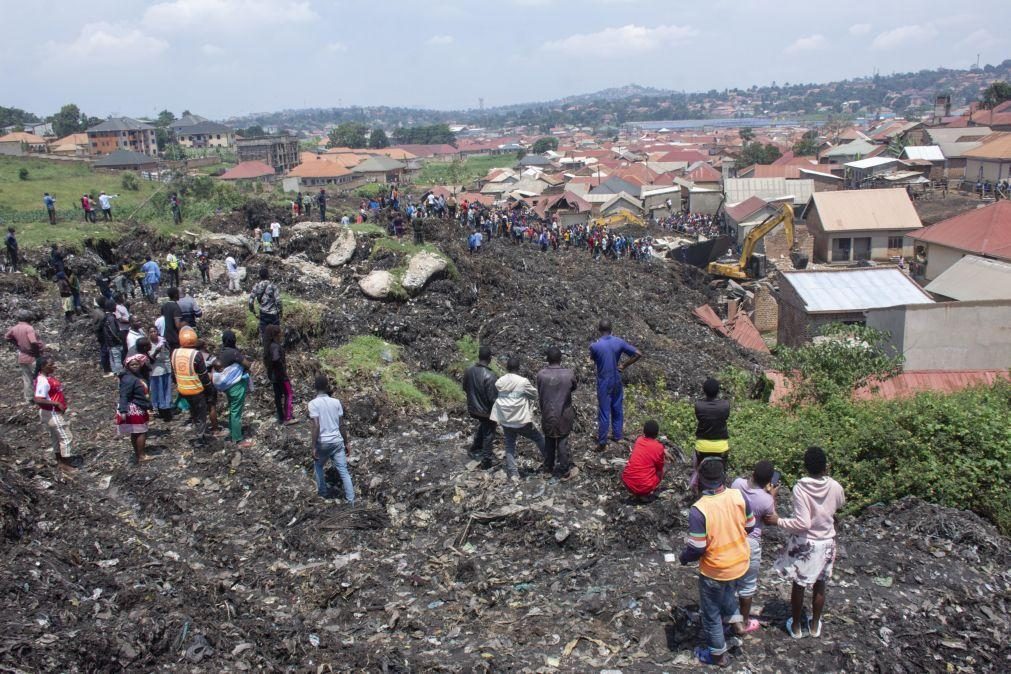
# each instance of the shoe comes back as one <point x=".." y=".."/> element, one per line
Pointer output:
<point x="545" y="468"/>
<point x="486" y="464"/>
<point x="789" y="630"/>
<point x="245" y="444"/>
<point x="601" y="447"/>
<point x="813" y="633"/>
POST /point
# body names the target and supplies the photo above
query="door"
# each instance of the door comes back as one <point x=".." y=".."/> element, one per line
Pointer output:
<point x="862" y="248"/>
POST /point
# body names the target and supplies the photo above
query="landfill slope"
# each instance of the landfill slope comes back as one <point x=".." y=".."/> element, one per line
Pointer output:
<point x="225" y="560"/>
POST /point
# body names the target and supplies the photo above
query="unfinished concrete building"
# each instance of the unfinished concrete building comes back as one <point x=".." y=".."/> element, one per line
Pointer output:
<point x="280" y="152"/>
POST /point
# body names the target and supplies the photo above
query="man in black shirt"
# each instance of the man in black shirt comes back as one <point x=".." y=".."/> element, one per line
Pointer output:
<point x="711" y="435"/>
<point x="173" y="316"/>
<point x="11" y="243"/>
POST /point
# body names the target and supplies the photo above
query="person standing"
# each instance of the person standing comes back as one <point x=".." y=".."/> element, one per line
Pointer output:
<point x="275" y="234"/>
<point x="190" y="309"/>
<point x="105" y="201"/>
<point x="52" y="403"/>
<point x="232" y="270"/>
<point x="172" y="267"/>
<point x="230" y="357"/>
<point x="204" y="265"/>
<point x="111" y="340"/>
<point x="606" y="353"/>
<point x="49" y="202"/>
<point x="56" y="259"/>
<point x="418" y="225"/>
<point x="22" y="337"/>
<point x="173" y="316"/>
<point x="760" y="489"/>
<point x="808" y="557"/>
<point x="11" y="244"/>
<point x="176" y="207"/>
<point x="134" y="336"/>
<point x="152" y="279"/>
<point x="513" y="410"/>
<point x="192" y="381"/>
<point x="277" y="371"/>
<point x="86" y="207"/>
<point x="718" y="527"/>
<point x="122" y="313"/>
<point x="555" y="385"/>
<point x="329" y="440"/>
<point x="321" y="202"/>
<point x="74" y="281"/>
<point x="133" y="412"/>
<point x="711" y="435"/>
<point x="66" y="295"/>
<point x="160" y="380"/>
<point x="479" y="385"/>
<point x="266" y="293"/>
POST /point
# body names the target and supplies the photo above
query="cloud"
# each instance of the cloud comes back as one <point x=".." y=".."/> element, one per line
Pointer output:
<point x="897" y="37"/>
<point x="439" y="40"/>
<point x="980" y="39"/>
<point x="622" y="40"/>
<point x="336" y="47"/>
<point x="103" y="42"/>
<point x="860" y="29"/>
<point x="212" y="50"/>
<point x="808" y="43"/>
<point x="226" y="15"/>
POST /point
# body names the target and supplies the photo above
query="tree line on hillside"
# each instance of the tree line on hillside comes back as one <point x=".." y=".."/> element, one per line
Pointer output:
<point x="357" y="135"/>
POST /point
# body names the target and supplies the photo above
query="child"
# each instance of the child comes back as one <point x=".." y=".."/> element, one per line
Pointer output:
<point x="644" y="470"/>
<point x="133" y="414"/>
<point x="760" y="490"/>
<point x="52" y="404"/>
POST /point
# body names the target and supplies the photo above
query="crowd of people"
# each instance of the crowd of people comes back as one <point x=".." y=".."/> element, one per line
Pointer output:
<point x="694" y="225"/>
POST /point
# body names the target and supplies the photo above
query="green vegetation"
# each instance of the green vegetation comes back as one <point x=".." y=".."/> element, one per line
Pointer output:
<point x="757" y="153"/>
<point x="471" y="168"/>
<point x="372" y="190"/>
<point x="467" y="348"/>
<point x="367" y="358"/>
<point x="429" y="134"/>
<point x="367" y="228"/>
<point x="348" y="134"/>
<point x="305" y="318"/>
<point x="544" y="144"/>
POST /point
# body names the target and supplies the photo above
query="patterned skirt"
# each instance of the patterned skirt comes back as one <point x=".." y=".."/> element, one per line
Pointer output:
<point x="805" y="561"/>
<point x="134" y="421"/>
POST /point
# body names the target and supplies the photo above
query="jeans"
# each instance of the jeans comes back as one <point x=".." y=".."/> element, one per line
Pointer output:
<point x="556" y="455"/>
<point x="198" y="415"/>
<point x="104" y="358"/>
<point x="116" y="359"/>
<point x="268" y="319"/>
<point x="333" y="452"/>
<point x="717" y="601"/>
<point x="236" y="404"/>
<point x="161" y="391"/>
<point x="484" y="435"/>
<point x="529" y="432"/>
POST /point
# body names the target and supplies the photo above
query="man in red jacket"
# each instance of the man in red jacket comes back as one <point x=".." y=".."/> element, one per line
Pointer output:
<point x="644" y="470"/>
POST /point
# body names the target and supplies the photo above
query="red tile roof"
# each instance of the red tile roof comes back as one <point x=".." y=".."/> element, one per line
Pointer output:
<point x="906" y="384"/>
<point x="704" y="174"/>
<point x="985" y="231"/>
<point x="421" y="150"/>
<point x="740" y="328"/>
<point x="749" y="206"/>
<point x="248" y="170"/>
<point x="689" y="156"/>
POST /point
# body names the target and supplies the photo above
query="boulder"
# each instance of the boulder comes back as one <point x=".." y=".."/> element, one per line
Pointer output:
<point x="217" y="271"/>
<point x="342" y="249"/>
<point x="309" y="270"/>
<point x="378" y="285"/>
<point x="420" y="268"/>
<point x="228" y="242"/>
<point x="303" y="227"/>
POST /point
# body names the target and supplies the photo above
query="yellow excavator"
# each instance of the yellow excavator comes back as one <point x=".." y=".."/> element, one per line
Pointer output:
<point x="738" y="269"/>
<point x="622" y="217"/>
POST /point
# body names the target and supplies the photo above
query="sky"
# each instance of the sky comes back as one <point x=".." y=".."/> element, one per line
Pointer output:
<point x="220" y="58"/>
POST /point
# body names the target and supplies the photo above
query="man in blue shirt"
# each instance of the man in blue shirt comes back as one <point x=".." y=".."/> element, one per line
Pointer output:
<point x="152" y="277"/>
<point x="49" y="202"/>
<point x="606" y="353"/>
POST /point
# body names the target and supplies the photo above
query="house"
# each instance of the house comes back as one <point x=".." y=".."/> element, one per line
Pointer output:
<point x="534" y="160"/>
<point x="954" y="143"/>
<point x="280" y="152"/>
<point x="935" y="336"/>
<point x="811" y="299"/>
<point x="611" y="186"/>
<point x="856" y="225"/>
<point x="703" y="174"/>
<point x="568" y="208"/>
<point x="29" y="141"/>
<point x="770" y="189"/>
<point x="206" y="134"/>
<point x="973" y="278"/>
<point x="742" y="218"/>
<point x="620" y="202"/>
<point x="122" y="133"/>
<point x="822" y="181"/>
<point x="381" y="170"/>
<point x="249" y="170"/>
<point x="857" y="149"/>
<point x="862" y="170"/>
<point x="74" y="145"/>
<point x="321" y="173"/>
<point x="127" y="160"/>
<point x="435" y="152"/>
<point x="985" y="232"/>
<point x="178" y="126"/>
<point x="991" y="161"/>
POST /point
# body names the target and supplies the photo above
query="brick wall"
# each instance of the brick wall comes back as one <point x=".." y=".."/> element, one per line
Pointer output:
<point x="766" y="317"/>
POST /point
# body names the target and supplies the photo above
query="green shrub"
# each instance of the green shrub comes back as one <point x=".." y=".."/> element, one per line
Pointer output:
<point x="372" y="190"/>
<point x="367" y="358"/>
<point x="130" y="182"/>
<point x="22" y="174"/>
<point x="443" y="390"/>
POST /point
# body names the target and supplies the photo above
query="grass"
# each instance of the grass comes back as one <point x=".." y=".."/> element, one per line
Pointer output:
<point x="441" y="388"/>
<point x="467" y="348"/>
<point x="367" y="229"/>
<point x="437" y="173"/>
<point x="304" y="317"/>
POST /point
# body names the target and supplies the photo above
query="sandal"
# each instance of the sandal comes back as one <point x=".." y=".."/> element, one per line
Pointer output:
<point x="752" y="626"/>
<point x="706" y="657"/>
<point x="789" y="629"/>
<point x="813" y="633"/>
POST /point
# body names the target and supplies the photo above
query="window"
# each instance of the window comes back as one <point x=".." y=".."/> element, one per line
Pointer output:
<point x="841" y="250"/>
<point x="895" y="243"/>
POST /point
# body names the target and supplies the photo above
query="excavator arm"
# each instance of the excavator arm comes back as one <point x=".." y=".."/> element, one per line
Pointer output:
<point x="739" y="269"/>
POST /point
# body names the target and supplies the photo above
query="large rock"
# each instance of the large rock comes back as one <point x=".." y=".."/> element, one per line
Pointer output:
<point x="232" y="243"/>
<point x="342" y="249"/>
<point x="218" y="271"/>
<point x="302" y="227"/>
<point x="420" y="268"/>
<point x="378" y="285"/>
<point x="309" y="270"/>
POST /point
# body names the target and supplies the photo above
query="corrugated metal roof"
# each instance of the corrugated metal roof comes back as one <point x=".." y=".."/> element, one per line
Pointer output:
<point x="974" y="278"/>
<point x="851" y="290"/>
<point x="871" y="162"/>
<point x="925" y="152"/>
<point x="770" y="189"/>
<point x="864" y="210"/>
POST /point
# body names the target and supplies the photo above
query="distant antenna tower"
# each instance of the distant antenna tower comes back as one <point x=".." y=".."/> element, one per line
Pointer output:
<point x="480" y="104"/>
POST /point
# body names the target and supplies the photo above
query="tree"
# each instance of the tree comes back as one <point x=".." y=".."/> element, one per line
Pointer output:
<point x="69" y="120"/>
<point x="544" y="144"/>
<point x="253" y="131"/>
<point x="164" y="137"/>
<point x="747" y="134"/>
<point x="455" y="173"/>
<point x="432" y="134"/>
<point x="348" y="134"/>
<point x="807" y="146"/>
<point x="165" y="117"/>
<point x="378" y="139"/>
<point x="757" y="153"/>
<point x="15" y="116"/>
<point x="850" y="357"/>
<point x="995" y="94"/>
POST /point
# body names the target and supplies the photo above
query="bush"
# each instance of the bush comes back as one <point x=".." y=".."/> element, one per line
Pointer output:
<point x="372" y="190"/>
<point x="367" y="359"/>
<point x="443" y="390"/>
<point x="22" y="174"/>
<point x="130" y="182"/>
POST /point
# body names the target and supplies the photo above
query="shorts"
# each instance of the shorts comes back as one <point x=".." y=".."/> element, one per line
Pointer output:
<point x="805" y="561"/>
<point x="747" y="585"/>
<point x="68" y="304"/>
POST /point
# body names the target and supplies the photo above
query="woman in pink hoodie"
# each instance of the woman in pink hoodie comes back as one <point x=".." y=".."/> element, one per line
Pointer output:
<point x="809" y="554"/>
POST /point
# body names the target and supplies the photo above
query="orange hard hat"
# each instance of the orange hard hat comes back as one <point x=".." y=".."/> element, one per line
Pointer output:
<point x="187" y="337"/>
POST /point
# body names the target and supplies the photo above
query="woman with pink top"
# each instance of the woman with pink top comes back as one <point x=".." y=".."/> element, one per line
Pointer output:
<point x="809" y="554"/>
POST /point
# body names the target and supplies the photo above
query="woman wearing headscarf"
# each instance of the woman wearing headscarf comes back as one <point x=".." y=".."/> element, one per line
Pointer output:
<point x="132" y="414"/>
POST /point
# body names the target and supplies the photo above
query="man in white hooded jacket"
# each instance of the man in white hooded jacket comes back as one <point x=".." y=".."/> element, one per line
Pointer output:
<point x="514" y="411"/>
